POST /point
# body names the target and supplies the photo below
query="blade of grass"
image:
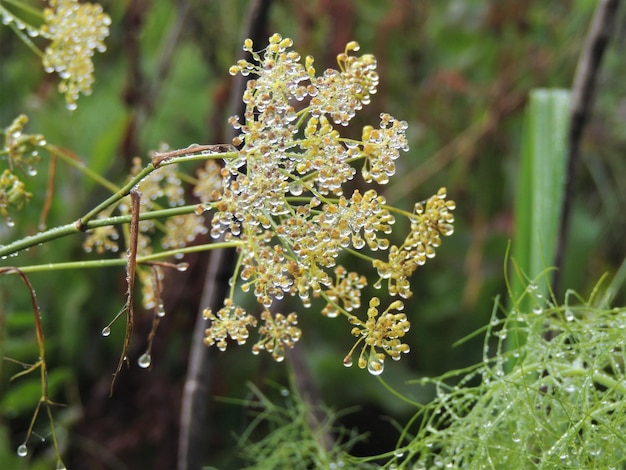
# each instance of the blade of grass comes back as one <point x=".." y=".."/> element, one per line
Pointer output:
<point x="540" y="189"/>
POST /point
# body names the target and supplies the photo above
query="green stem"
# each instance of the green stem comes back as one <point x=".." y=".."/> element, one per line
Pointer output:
<point x="25" y="39"/>
<point x="100" y="263"/>
<point x="23" y="6"/>
<point x="80" y="166"/>
<point x="123" y="192"/>
<point x="69" y="229"/>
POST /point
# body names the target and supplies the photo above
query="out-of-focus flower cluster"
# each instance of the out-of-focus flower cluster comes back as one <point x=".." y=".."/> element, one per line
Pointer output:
<point x="21" y="152"/>
<point x="75" y="30"/>
<point x="282" y="201"/>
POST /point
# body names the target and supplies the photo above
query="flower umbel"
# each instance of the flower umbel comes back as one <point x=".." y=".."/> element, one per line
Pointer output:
<point x="230" y="321"/>
<point x="379" y="332"/>
<point x="75" y="31"/>
<point x="277" y="333"/>
<point x="427" y="225"/>
<point x="285" y="206"/>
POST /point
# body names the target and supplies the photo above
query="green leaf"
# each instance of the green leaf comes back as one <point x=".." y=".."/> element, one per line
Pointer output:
<point x="541" y="184"/>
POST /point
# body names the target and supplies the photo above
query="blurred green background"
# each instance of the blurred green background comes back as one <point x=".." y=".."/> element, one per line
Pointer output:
<point x="459" y="72"/>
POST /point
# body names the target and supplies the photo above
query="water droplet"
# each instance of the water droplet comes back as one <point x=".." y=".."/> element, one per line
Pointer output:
<point x="71" y="106"/>
<point x="144" y="360"/>
<point x="22" y="450"/>
<point x="61" y="466"/>
<point x="182" y="267"/>
<point x="31" y="171"/>
<point x="347" y="361"/>
<point x="569" y="315"/>
<point x="398" y="453"/>
<point x="295" y="188"/>
<point x="375" y="366"/>
<point x="537" y="309"/>
<point x="160" y="311"/>
<point x="106" y="331"/>
<point x="10" y="222"/>
<point x="284" y="392"/>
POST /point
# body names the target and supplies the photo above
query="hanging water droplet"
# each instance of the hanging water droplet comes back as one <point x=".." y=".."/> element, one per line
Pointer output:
<point x="10" y="222"/>
<point x="375" y="366"/>
<point x="144" y="360"/>
<point x="537" y="310"/>
<point x="182" y="267"/>
<point x="295" y="188"/>
<point x="569" y="315"/>
<point x="22" y="450"/>
<point x="61" y="466"/>
<point x="31" y="170"/>
<point x="106" y="331"/>
<point x="160" y="311"/>
<point x="347" y="361"/>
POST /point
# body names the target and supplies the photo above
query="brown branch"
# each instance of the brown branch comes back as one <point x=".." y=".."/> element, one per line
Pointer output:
<point x="583" y="89"/>
<point x="135" y="197"/>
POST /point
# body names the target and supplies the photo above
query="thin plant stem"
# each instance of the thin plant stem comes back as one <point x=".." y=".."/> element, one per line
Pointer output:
<point x="147" y="259"/>
<point x="70" y="229"/>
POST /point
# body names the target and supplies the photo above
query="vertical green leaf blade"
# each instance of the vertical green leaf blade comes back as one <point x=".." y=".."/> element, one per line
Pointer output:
<point x="541" y="183"/>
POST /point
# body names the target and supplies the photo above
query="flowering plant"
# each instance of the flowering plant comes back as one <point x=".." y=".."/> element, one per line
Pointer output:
<point x="291" y="196"/>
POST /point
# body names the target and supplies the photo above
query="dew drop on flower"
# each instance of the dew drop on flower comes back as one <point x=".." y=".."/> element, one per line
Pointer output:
<point x="347" y="361"/>
<point x="375" y="366"/>
<point x="22" y="450"/>
<point x="295" y="188"/>
<point x="144" y="361"/>
<point x="106" y="331"/>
